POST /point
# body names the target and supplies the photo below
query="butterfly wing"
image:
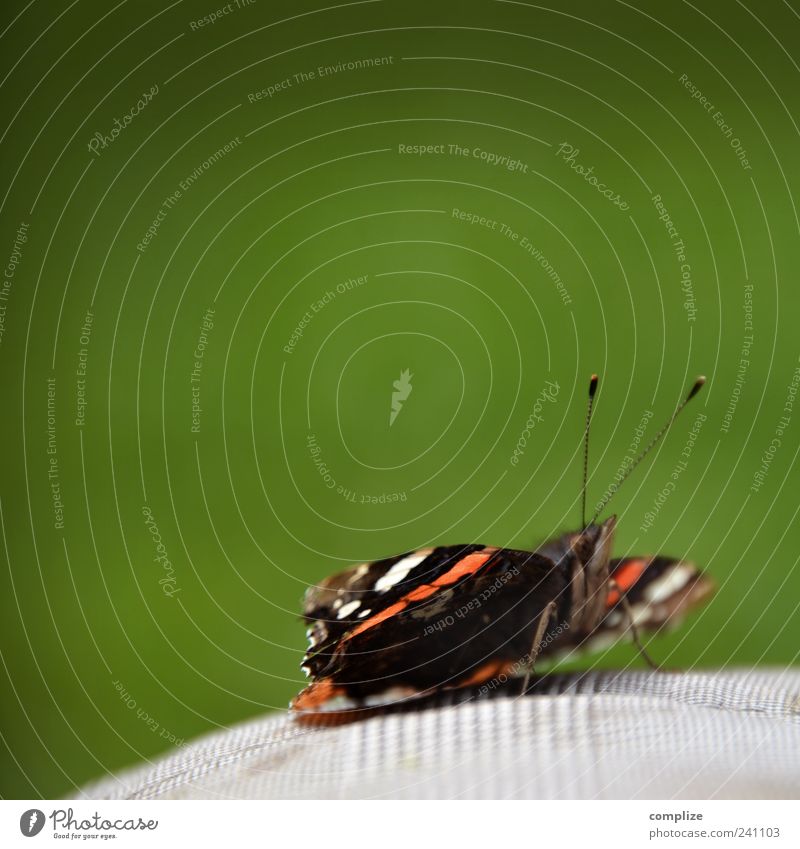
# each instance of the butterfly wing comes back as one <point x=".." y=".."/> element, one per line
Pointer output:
<point x="659" y="591"/>
<point x="467" y="614"/>
<point x="341" y="601"/>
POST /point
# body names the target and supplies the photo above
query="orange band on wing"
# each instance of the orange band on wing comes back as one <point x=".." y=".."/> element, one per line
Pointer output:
<point x="625" y="577"/>
<point x="316" y="694"/>
<point x="491" y="669"/>
<point x="379" y="617"/>
<point x="466" y="566"/>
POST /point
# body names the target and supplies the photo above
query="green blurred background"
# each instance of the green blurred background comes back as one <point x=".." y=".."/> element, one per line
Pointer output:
<point x="290" y="469"/>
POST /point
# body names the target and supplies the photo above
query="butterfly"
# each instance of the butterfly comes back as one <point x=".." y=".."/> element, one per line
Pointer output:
<point x="461" y="617"/>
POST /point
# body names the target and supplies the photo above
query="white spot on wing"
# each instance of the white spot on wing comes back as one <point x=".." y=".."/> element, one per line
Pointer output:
<point x="359" y="572"/>
<point x="401" y="569"/>
<point x="316" y="633"/>
<point x="363" y="613"/>
<point x="335" y="704"/>
<point x="347" y="609"/>
<point x="387" y="697"/>
<point x="669" y="583"/>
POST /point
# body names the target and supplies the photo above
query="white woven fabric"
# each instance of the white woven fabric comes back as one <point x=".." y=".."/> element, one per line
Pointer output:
<point x="632" y="735"/>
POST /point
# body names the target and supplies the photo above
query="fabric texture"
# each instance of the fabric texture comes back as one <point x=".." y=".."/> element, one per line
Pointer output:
<point x="600" y="735"/>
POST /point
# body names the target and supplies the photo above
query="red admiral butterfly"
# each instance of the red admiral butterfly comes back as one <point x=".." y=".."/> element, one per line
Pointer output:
<point x="462" y="616"/>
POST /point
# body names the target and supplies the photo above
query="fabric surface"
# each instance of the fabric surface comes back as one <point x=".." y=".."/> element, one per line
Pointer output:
<point x="601" y="735"/>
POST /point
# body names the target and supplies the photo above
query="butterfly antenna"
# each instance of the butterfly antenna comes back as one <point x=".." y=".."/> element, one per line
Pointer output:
<point x="698" y="385"/>
<point x="592" y="390"/>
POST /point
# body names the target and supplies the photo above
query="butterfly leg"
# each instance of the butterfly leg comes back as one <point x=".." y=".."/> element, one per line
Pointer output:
<point x="536" y="645"/>
<point x="634" y="630"/>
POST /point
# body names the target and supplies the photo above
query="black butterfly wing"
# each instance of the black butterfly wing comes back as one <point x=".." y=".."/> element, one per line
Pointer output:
<point x="472" y="620"/>
<point x="340" y="602"/>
